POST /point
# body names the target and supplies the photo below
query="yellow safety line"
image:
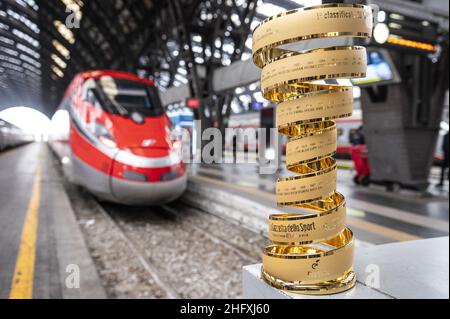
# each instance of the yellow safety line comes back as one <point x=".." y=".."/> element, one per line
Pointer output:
<point x="400" y="215"/>
<point x="356" y="222"/>
<point x="22" y="284"/>
<point x="241" y="188"/>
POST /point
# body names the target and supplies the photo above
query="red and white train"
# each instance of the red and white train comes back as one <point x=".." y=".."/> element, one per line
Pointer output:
<point x="112" y="133"/>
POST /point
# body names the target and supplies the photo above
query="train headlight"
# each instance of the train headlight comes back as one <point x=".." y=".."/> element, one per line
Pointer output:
<point x="133" y="176"/>
<point x="170" y="176"/>
<point x="104" y="135"/>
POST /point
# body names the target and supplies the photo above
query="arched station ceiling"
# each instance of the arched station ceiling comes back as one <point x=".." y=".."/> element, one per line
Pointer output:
<point x="43" y="43"/>
<point x="41" y="48"/>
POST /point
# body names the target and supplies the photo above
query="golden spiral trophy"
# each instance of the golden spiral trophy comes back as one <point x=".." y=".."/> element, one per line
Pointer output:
<point x="312" y="252"/>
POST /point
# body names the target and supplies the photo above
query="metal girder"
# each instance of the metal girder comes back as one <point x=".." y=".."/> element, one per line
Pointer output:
<point x="242" y="73"/>
<point x="175" y="94"/>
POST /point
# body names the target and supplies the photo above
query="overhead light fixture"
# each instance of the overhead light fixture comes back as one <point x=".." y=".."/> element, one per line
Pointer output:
<point x="181" y="78"/>
<point x="228" y="48"/>
<point x="61" y="49"/>
<point x="197" y="38"/>
<point x="412" y="44"/>
<point x="26" y="37"/>
<point x="239" y="90"/>
<point x="396" y="16"/>
<point x="394" y="25"/>
<point x="64" y="31"/>
<point x="199" y="60"/>
<point x="24" y="20"/>
<point x="245" y="56"/>
<point x="249" y="43"/>
<point x="58" y="61"/>
<point x="258" y="97"/>
<point x="218" y="43"/>
<point x="236" y="20"/>
<point x="381" y="33"/>
<point x="57" y="71"/>
<point x="197" y="49"/>
<point x="28" y="50"/>
<point x="75" y="7"/>
<point x="26" y="58"/>
<point x="182" y="71"/>
<point x="31" y="3"/>
<point x="381" y="17"/>
<point x="254" y="24"/>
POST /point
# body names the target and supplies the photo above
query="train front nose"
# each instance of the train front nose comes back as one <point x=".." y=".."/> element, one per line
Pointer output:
<point x="140" y="180"/>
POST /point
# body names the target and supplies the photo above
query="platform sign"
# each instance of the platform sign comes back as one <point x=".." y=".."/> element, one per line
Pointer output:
<point x="381" y="70"/>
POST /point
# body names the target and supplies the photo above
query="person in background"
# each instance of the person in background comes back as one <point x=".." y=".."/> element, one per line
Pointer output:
<point x="360" y="157"/>
<point x="235" y="147"/>
<point x="445" y="160"/>
<point x="357" y="137"/>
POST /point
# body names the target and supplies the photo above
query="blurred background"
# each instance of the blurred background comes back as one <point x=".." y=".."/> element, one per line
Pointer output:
<point x="155" y="226"/>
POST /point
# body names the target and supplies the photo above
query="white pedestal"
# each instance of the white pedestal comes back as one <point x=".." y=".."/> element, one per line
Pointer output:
<point x="415" y="269"/>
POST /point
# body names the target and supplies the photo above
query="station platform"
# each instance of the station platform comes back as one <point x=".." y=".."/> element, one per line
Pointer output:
<point x="42" y="251"/>
<point x="387" y="271"/>
<point x="53" y="235"/>
<point x="375" y="215"/>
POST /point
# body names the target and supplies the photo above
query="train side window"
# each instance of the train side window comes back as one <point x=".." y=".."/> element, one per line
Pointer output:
<point x="340" y="132"/>
<point x="90" y="97"/>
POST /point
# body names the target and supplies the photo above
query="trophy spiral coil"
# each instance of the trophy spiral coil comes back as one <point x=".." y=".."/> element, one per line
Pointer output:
<point x="311" y="252"/>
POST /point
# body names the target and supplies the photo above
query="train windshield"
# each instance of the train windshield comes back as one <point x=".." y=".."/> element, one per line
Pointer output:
<point x="126" y="97"/>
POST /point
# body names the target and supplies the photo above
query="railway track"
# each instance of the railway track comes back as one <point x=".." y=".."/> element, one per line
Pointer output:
<point x="243" y="252"/>
<point x="188" y="251"/>
<point x="146" y="264"/>
<point x="170" y="251"/>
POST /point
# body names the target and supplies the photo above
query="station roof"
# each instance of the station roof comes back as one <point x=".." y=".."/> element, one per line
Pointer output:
<point x="43" y="44"/>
